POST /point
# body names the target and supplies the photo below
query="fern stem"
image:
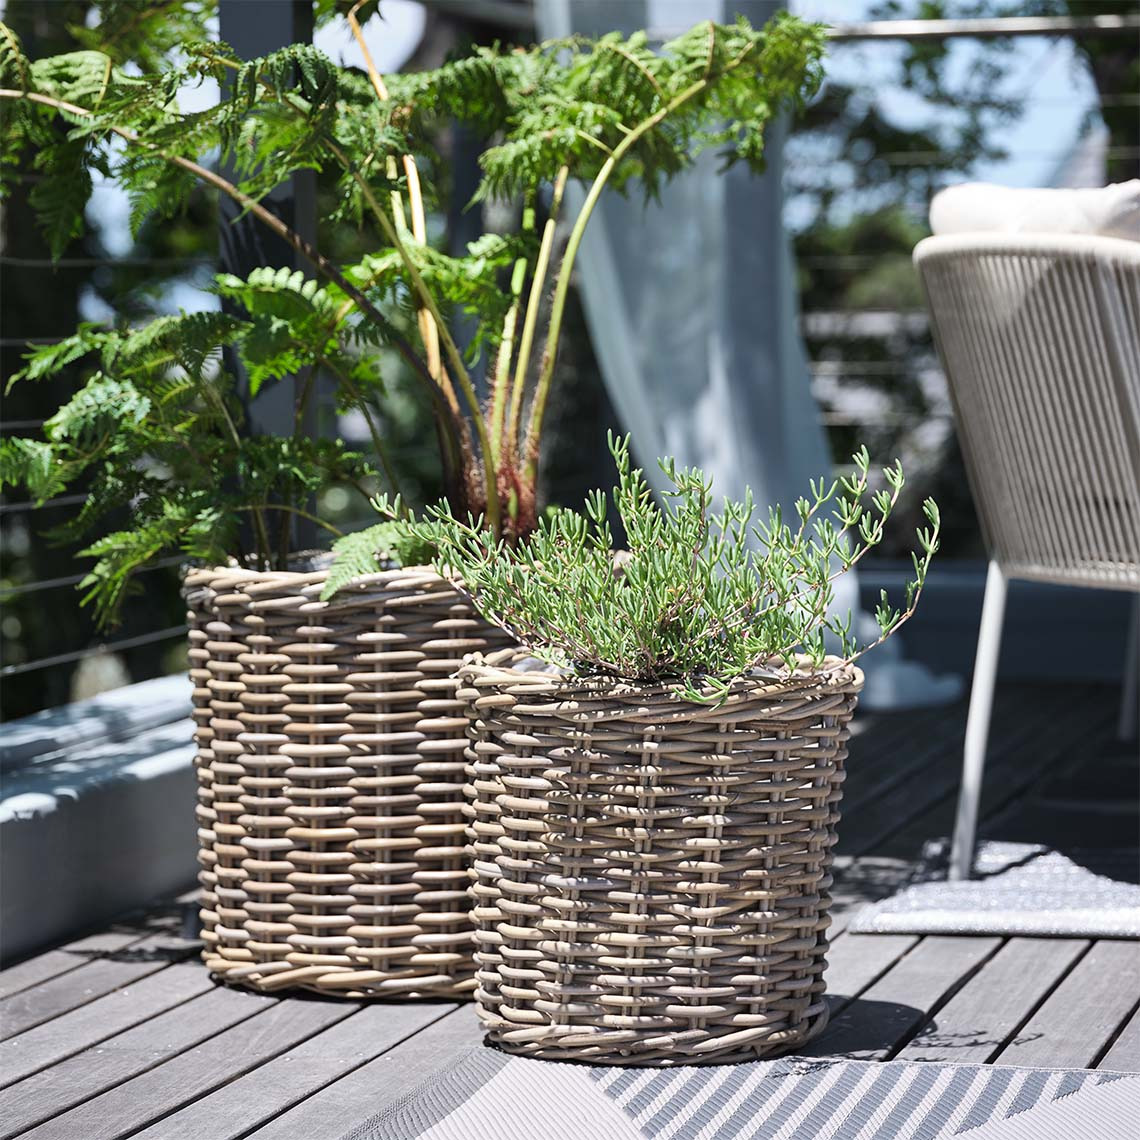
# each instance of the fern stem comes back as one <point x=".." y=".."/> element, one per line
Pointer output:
<point x="373" y="430"/>
<point x="358" y="34"/>
<point x="391" y="233"/>
<point x="502" y="377"/>
<point x="261" y="535"/>
<point x="301" y="514"/>
<point x="493" y="513"/>
<point x="302" y="403"/>
<point x="562" y="287"/>
<point x="429" y="333"/>
<point x="534" y="304"/>
<point x="502" y="374"/>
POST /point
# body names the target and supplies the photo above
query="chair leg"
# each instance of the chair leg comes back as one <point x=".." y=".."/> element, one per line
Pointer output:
<point x="978" y="723"/>
<point x="1130" y="693"/>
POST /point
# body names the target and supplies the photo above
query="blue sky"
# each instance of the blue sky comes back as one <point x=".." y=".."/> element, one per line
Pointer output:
<point x="1047" y="73"/>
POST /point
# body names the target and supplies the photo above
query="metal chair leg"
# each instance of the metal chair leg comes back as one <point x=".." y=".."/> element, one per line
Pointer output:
<point x="1130" y="693"/>
<point x="978" y="723"/>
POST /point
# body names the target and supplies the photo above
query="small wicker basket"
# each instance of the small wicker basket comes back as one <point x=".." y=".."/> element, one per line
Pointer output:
<point x="330" y="767"/>
<point x="651" y="875"/>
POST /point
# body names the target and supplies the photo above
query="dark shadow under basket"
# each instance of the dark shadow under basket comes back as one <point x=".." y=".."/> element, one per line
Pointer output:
<point x="650" y="874"/>
<point x="330" y="768"/>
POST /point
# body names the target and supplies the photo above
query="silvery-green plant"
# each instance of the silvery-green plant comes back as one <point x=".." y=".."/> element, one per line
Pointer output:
<point x="700" y="595"/>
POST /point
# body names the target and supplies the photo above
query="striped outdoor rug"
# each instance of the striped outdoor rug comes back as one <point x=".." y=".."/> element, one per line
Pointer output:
<point x="491" y="1096"/>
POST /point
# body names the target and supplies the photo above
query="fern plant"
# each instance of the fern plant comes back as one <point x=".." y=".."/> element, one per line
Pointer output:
<point x="700" y="596"/>
<point x="610" y="113"/>
<point x="154" y="438"/>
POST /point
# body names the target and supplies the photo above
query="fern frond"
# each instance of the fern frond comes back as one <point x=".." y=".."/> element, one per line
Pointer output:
<point x="110" y="488"/>
<point x="15" y="71"/>
<point x="119" y="556"/>
<point x="292" y="322"/>
<point x="29" y="463"/>
<point x="367" y="551"/>
<point x="297" y="68"/>
<point x="155" y="186"/>
<point x="212" y="535"/>
<point x="102" y="406"/>
<point x="60" y="198"/>
<point x="142" y="31"/>
<point x="47" y="360"/>
<point x="286" y="293"/>
<point x="81" y="77"/>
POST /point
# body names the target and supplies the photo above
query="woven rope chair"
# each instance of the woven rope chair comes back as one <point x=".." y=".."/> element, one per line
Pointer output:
<point x="1039" y="336"/>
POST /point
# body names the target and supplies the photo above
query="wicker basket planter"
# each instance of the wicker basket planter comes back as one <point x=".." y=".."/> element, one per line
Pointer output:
<point x="330" y="769"/>
<point x="650" y="875"/>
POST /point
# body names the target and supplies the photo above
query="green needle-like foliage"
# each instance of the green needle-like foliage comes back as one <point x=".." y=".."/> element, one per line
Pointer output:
<point x="700" y="596"/>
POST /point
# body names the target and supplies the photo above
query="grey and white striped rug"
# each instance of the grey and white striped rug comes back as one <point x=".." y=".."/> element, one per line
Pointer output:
<point x="489" y="1095"/>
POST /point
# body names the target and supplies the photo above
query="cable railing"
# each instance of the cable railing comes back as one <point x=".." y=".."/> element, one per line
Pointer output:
<point x="104" y="647"/>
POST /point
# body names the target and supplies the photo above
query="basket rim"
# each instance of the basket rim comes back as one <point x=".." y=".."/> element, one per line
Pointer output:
<point x="496" y="672"/>
<point x="202" y="575"/>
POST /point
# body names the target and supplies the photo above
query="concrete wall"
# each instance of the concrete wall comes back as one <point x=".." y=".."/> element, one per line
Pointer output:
<point x="97" y="812"/>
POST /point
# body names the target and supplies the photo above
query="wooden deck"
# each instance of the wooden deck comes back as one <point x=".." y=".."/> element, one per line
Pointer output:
<point x="123" y="1034"/>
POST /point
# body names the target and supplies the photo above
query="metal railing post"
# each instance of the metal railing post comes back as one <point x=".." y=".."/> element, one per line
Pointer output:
<point x="255" y="28"/>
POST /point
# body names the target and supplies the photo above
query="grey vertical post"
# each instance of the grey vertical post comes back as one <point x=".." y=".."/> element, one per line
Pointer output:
<point x="254" y="28"/>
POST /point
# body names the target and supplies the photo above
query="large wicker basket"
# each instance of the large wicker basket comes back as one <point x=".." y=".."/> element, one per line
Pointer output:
<point x="330" y="765"/>
<point x="651" y="875"/>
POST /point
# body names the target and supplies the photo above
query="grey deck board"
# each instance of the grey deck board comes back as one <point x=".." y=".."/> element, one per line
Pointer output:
<point x="1010" y="776"/>
<point x="1124" y="1053"/>
<point x="94" y="1071"/>
<point x="269" y="1090"/>
<point x="889" y="749"/>
<point x="862" y="879"/>
<point x="929" y="788"/>
<point x="191" y="1074"/>
<point x="978" y="1020"/>
<point x="62" y="1037"/>
<point x="34" y="971"/>
<point x="1083" y="1013"/>
<point x="881" y="1019"/>
<point x="854" y="962"/>
<point x="348" y="1102"/>
<point x="67" y="991"/>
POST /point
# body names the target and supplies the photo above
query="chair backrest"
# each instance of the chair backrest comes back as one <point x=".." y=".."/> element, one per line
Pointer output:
<point x="1040" y="339"/>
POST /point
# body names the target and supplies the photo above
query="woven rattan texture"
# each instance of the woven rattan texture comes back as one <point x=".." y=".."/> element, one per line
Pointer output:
<point x="330" y="767"/>
<point x="650" y="875"/>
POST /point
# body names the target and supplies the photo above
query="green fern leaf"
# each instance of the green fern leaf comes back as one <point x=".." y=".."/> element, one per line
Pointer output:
<point x="80" y="77"/>
<point x="51" y="359"/>
<point x="60" y="198"/>
<point x="29" y="463"/>
<point x="102" y="406"/>
<point x="367" y="551"/>
<point x="14" y="67"/>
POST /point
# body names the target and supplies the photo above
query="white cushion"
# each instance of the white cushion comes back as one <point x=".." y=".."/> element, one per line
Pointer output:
<point x="974" y="207"/>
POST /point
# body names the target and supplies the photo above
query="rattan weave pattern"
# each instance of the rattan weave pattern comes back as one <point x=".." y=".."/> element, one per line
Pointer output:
<point x="651" y="875"/>
<point x="330" y="767"/>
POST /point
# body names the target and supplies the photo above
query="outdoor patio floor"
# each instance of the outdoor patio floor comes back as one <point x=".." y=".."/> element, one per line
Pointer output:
<point x="122" y="1033"/>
